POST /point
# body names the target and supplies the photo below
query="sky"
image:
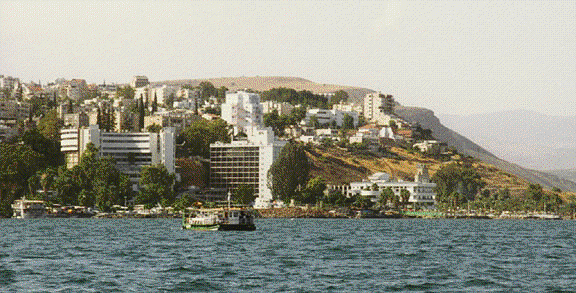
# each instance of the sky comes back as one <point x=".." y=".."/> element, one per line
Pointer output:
<point x="452" y="57"/>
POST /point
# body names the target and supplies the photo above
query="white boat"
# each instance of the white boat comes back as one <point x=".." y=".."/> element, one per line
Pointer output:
<point x="28" y="209"/>
<point x="219" y="219"/>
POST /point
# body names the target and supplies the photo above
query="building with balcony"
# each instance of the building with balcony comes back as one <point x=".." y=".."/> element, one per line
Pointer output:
<point x="421" y="189"/>
<point x="131" y="150"/>
<point x="246" y="162"/>
<point x="242" y="110"/>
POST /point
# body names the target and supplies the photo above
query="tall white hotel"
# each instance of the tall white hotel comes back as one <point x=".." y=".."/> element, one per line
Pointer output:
<point x="245" y="162"/>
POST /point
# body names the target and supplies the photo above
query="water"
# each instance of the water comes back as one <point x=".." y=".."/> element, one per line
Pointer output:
<point x="303" y="255"/>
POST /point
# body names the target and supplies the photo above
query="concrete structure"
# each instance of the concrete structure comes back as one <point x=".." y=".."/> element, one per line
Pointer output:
<point x="77" y="89"/>
<point x="246" y="162"/>
<point x="329" y="117"/>
<point x="176" y="119"/>
<point x="132" y="150"/>
<point x="421" y="190"/>
<point x="139" y="81"/>
<point x="242" y="110"/>
<point x="76" y="120"/>
<point x="373" y="103"/>
<point x="282" y="108"/>
<point x="8" y="82"/>
<point x="13" y="111"/>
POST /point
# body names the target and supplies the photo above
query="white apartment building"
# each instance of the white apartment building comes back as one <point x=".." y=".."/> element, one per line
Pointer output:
<point x="131" y="150"/>
<point x="246" y="162"/>
<point x="421" y="189"/>
<point x="148" y="93"/>
<point x="327" y="117"/>
<point x="282" y="108"/>
<point x="8" y="82"/>
<point x="373" y="103"/>
<point x="242" y="110"/>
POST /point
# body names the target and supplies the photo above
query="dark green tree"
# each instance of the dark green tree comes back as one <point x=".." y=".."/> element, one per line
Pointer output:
<point x="207" y="90"/>
<point x="157" y="186"/>
<point x="289" y="173"/>
<point x="199" y="135"/>
<point x="339" y="96"/>
<point x="347" y="122"/>
<point x="50" y="124"/>
<point x="244" y="194"/>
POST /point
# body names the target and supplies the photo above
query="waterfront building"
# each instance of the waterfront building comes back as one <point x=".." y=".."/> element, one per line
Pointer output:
<point x="131" y="150"/>
<point x="246" y="162"/>
<point x="242" y="110"/>
<point x="421" y="189"/>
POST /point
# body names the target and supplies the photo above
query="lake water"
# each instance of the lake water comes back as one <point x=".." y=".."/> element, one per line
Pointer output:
<point x="283" y="255"/>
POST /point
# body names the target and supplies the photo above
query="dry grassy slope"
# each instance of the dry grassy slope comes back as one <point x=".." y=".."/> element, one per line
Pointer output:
<point x="337" y="166"/>
<point x="263" y="83"/>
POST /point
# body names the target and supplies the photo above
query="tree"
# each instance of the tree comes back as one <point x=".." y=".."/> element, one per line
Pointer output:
<point x="207" y="90"/>
<point x="201" y="133"/>
<point x="49" y="125"/>
<point x="314" y="122"/>
<point x="289" y="173"/>
<point x="339" y="96"/>
<point x="221" y="93"/>
<point x="49" y="149"/>
<point x="141" y="114"/>
<point x="157" y="186"/>
<point x="125" y="91"/>
<point x="154" y="104"/>
<point x="17" y="164"/>
<point x="386" y="196"/>
<point x="154" y="128"/>
<point x="461" y="178"/>
<point x="313" y="192"/>
<point x="347" y="122"/>
<point x="244" y="194"/>
<point x="405" y="196"/>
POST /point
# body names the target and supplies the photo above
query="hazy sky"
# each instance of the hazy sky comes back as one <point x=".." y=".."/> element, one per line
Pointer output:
<point x="452" y="57"/>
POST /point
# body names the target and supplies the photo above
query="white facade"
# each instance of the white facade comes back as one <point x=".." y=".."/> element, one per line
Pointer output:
<point x="131" y="150"/>
<point x="373" y="111"/>
<point x="329" y="116"/>
<point x="242" y="110"/>
<point x="246" y="162"/>
<point x="421" y="190"/>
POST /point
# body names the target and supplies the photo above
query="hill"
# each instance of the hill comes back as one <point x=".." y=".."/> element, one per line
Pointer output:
<point x="530" y="139"/>
<point x="569" y="174"/>
<point x="263" y="83"/>
<point x="337" y="166"/>
<point x="425" y="117"/>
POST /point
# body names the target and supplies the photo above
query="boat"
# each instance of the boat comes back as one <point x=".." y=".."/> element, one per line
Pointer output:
<point x="29" y="209"/>
<point x="219" y="219"/>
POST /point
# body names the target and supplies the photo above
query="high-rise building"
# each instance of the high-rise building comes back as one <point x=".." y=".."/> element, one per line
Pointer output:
<point x="242" y="110"/>
<point x="246" y="162"/>
<point x="374" y="105"/>
<point x="139" y="81"/>
<point x="131" y="150"/>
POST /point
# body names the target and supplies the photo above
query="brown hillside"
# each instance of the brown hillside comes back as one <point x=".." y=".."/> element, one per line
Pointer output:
<point x="338" y="166"/>
<point x="263" y="83"/>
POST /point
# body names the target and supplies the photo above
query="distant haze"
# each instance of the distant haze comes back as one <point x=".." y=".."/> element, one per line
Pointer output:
<point x="452" y="57"/>
<point x="529" y="139"/>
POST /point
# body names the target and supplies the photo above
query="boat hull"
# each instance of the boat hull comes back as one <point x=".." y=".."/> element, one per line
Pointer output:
<point x="220" y="227"/>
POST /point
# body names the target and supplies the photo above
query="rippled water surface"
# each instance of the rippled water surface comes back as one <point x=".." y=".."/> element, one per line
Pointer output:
<point x="303" y="255"/>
